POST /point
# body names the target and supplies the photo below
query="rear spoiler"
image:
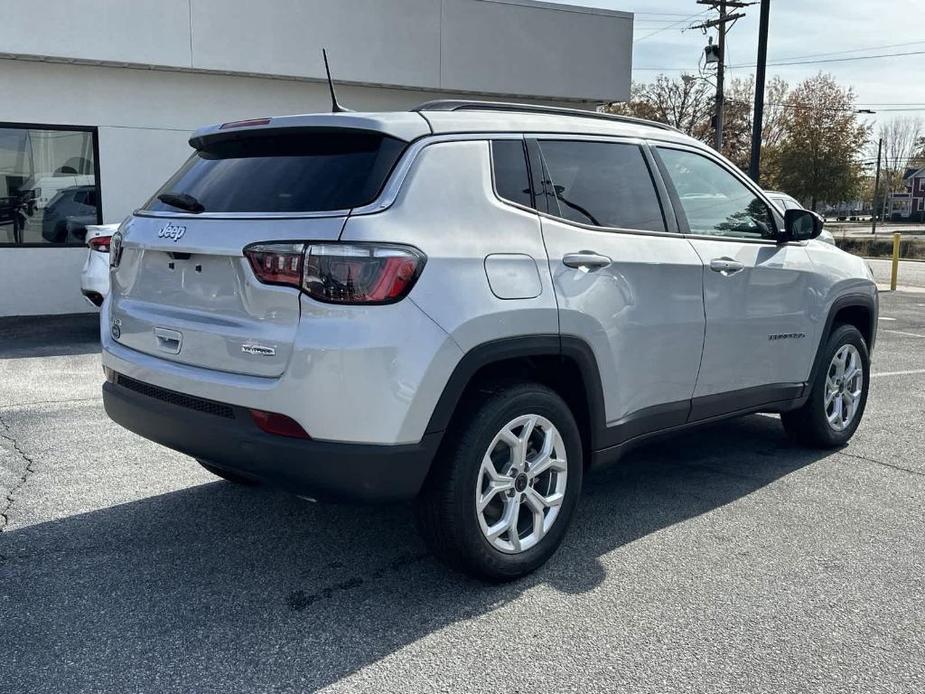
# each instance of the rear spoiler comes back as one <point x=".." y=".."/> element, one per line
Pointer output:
<point x="403" y="126"/>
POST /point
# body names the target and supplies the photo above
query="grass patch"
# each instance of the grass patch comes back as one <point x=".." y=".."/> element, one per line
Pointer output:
<point x="909" y="249"/>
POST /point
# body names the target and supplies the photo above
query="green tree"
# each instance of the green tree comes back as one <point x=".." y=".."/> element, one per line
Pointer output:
<point x="819" y="157"/>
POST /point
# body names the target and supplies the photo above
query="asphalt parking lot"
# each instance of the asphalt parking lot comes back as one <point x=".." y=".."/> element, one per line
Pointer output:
<point x="727" y="560"/>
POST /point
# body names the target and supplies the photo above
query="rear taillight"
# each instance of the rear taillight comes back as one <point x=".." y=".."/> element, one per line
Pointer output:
<point x="339" y="273"/>
<point x="100" y="243"/>
<point x="115" y="249"/>
<point x="277" y="263"/>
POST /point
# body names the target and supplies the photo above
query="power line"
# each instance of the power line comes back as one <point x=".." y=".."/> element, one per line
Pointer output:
<point x="852" y="50"/>
<point x="673" y="24"/>
<point x="834" y="60"/>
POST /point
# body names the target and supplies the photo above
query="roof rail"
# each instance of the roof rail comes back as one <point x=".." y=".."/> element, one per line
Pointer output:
<point x="464" y="105"/>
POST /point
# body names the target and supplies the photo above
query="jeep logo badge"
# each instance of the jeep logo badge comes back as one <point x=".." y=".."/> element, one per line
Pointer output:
<point x="172" y="231"/>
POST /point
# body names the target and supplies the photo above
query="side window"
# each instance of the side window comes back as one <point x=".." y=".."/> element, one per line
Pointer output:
<point x="606" y="184"/>
<point x="512" y="178"/>
<point x="715" y="202"/>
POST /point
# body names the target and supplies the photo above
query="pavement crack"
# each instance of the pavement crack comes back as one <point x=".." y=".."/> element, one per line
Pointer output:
<point x="298" y="600"/>
<point x="900" y="468"/>
<point x="27" y="471"/>
<point x="16" y="405"/>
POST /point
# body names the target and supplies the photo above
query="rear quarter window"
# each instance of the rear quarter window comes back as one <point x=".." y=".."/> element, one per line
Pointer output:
<point x="307" y="171"/>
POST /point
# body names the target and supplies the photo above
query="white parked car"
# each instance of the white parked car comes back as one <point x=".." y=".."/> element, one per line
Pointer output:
<point x="785" y="202"/>
<point x="94" y="278"/>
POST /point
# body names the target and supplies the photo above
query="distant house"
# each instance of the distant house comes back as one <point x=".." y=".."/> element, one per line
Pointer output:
<point x="909" y="204"/>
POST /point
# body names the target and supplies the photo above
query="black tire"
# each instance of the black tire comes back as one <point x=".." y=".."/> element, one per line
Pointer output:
<point x="808" y="425"/>
<point x="446" y="509"/>
<point x="229" y="475"/>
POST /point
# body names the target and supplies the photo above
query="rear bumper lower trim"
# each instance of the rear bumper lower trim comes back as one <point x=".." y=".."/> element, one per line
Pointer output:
<point x="319" y="469"/>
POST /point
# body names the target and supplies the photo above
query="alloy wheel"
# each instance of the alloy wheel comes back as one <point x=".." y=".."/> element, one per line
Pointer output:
<point x="844" y="385"/>
<point x="521" y="483"/>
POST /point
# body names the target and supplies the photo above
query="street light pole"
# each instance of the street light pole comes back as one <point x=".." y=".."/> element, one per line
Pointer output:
<point x="873" y="226"/>
<point x="754" y="165"/>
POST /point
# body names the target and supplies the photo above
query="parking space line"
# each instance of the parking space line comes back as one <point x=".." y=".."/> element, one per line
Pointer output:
<point x="899" y="373"/>
<point x="886" y="318"/>
<point x="902" y="332"/>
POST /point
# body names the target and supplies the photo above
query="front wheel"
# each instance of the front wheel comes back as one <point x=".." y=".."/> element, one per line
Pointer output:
<point x="836" y="403"/>
<point x="498" y="504"/>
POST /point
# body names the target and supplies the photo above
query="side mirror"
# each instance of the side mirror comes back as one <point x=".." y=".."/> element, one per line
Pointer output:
<point x="801" y="225"/>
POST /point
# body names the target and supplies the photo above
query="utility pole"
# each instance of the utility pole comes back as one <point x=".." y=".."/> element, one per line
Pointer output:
<point x="720" y="70"/>
<point x="873" y="226"/>
<point x="720" y="23"/>
<point x="754" y="166"/>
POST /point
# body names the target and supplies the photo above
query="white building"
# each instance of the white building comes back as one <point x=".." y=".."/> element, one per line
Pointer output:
<point x="97" y="98"/>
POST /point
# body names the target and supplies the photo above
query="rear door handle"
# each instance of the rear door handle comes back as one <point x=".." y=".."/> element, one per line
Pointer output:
<point x="587" y="260"/>
<point x="726" y="266"/>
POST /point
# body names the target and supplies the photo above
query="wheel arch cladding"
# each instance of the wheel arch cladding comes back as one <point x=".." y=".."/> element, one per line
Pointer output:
<point x="564" y="364"/>
<point x="859" y="310"/>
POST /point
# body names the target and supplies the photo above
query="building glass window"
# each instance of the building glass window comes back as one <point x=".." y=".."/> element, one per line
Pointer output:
<point x="49" y="184"/>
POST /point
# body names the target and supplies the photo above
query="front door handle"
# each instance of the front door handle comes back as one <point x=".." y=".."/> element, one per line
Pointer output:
<point x="586" y="260"/>
<point x="726" y="266"/>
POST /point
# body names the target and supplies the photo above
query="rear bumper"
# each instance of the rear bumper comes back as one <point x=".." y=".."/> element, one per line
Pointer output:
<point x="226" y="437"/>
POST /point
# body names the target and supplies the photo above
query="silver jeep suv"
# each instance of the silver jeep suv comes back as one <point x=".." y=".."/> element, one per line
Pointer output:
<point x="469" y="304"/>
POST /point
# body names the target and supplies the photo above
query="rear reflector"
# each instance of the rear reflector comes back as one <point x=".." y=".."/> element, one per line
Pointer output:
<point x="244" y="123"/>
<point x="278" y="424"/>
<point x="100" y="243"/>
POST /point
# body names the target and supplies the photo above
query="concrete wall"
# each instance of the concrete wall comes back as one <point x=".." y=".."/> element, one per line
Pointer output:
<point x="35" y="281"/>
<point x="511" y="47"/>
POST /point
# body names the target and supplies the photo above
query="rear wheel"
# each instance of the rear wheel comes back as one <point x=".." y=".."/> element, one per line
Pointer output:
<point x="836" y="404"/>
<point x="228" y="474"/>
<point x="498" y="505"/>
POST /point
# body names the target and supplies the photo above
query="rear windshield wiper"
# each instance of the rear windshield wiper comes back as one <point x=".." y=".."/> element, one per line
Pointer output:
<point x="182" y="201"/>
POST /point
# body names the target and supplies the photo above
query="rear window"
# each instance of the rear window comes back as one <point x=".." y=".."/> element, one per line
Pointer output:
<point x="292" y="172"/>
<point x="604" y="184"/>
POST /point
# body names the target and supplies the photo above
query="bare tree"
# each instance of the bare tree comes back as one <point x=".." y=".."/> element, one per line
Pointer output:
<point x="683" y="103"/>
<point x="902" y="144"/>
<point x="738" y="129"/>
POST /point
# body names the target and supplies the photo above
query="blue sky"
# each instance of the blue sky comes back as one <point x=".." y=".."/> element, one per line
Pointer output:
<point x="816" y="28"/>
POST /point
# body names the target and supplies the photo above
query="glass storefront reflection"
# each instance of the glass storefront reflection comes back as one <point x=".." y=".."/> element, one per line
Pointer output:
<point x="48" y="187"/>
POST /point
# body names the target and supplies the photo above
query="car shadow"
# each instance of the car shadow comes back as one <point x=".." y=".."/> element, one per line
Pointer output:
<point x="224" y="588"/>
<point x="49" y="336"/>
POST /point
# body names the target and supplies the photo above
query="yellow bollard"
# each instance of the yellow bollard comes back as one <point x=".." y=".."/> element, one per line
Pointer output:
<point x="896" y="238"/>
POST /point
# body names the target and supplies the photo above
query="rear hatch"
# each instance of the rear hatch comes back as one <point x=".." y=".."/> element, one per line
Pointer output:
<point x="183" y="289"/>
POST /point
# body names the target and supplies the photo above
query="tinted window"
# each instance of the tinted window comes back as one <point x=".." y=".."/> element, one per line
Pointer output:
<point x="45" y="176"/>
<point x="602" y="183"/>
<point x="715" y="202"/>
<point x="292" y="172"/>
<point x="512" y="179"/>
